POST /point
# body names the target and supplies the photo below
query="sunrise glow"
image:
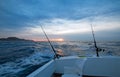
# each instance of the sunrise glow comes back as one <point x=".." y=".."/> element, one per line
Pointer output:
<point x="57" y="39"/>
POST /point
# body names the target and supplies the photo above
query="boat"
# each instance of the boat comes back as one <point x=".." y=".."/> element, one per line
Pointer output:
<point x="74" y="66"/>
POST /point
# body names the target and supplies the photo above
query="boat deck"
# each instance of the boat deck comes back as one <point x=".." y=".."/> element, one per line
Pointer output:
<point x="93" y="67"/>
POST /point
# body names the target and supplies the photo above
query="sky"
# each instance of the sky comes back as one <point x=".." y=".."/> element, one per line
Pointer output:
<point x="61" y="19"/>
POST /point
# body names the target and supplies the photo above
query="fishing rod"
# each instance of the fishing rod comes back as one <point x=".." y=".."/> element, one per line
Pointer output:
<point x="95" y="44"/>
<point x="55" y="56"/>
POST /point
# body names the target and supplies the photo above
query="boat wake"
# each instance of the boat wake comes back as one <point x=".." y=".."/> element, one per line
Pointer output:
<point x="18" y="59"/>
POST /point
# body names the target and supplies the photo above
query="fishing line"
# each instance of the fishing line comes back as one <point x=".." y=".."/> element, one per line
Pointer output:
<point x="95" y="44"/>
<point x="53" y="49"/>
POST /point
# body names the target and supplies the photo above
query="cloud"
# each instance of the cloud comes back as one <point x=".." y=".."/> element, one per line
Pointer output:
<point x="64" y="26"/>
<point x="30" y="10"/>
<point x="22" y="18"/>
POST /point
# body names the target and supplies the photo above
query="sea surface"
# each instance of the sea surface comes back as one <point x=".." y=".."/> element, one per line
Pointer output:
<point x="20" y="58"/>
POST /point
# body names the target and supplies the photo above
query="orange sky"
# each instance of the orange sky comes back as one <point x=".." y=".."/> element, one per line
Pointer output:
<point x="56" y="39"/>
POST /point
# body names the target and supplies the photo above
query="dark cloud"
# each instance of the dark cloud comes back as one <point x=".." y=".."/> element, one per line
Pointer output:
<point x="20" y="11"/>
<point x="16" y="14"/>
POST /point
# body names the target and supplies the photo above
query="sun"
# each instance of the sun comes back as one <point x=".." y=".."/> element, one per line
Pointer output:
<point x="58" y="39"/>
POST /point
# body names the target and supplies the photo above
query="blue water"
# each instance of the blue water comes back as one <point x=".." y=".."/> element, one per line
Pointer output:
<point x="19" y="58"/>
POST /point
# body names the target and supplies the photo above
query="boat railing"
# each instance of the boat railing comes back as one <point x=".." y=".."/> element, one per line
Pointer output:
<point x="46" y="70"/>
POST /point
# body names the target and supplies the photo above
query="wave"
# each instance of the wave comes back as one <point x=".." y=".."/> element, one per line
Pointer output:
<point x="18" y="59"/>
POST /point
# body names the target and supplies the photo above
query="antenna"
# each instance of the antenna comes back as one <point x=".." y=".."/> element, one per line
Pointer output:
<point x="56" y="56"/>
<point x="97" y="49"/>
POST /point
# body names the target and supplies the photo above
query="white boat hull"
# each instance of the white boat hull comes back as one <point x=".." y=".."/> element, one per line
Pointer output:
<point x="100" y="67"/>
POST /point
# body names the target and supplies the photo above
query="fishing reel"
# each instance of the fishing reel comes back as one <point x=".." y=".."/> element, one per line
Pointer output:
<point x="100" y="49"/>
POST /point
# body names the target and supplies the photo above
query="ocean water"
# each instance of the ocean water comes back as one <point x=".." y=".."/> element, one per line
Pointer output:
<point x="20" y="58"/>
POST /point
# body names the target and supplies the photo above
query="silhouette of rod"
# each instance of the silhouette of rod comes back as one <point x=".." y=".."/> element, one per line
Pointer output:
<point x="49" y="42"/>
<point x="97" y="50"/>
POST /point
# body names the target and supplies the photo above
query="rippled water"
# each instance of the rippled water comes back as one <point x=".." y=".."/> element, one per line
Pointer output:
<point x="19" y="58"/>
